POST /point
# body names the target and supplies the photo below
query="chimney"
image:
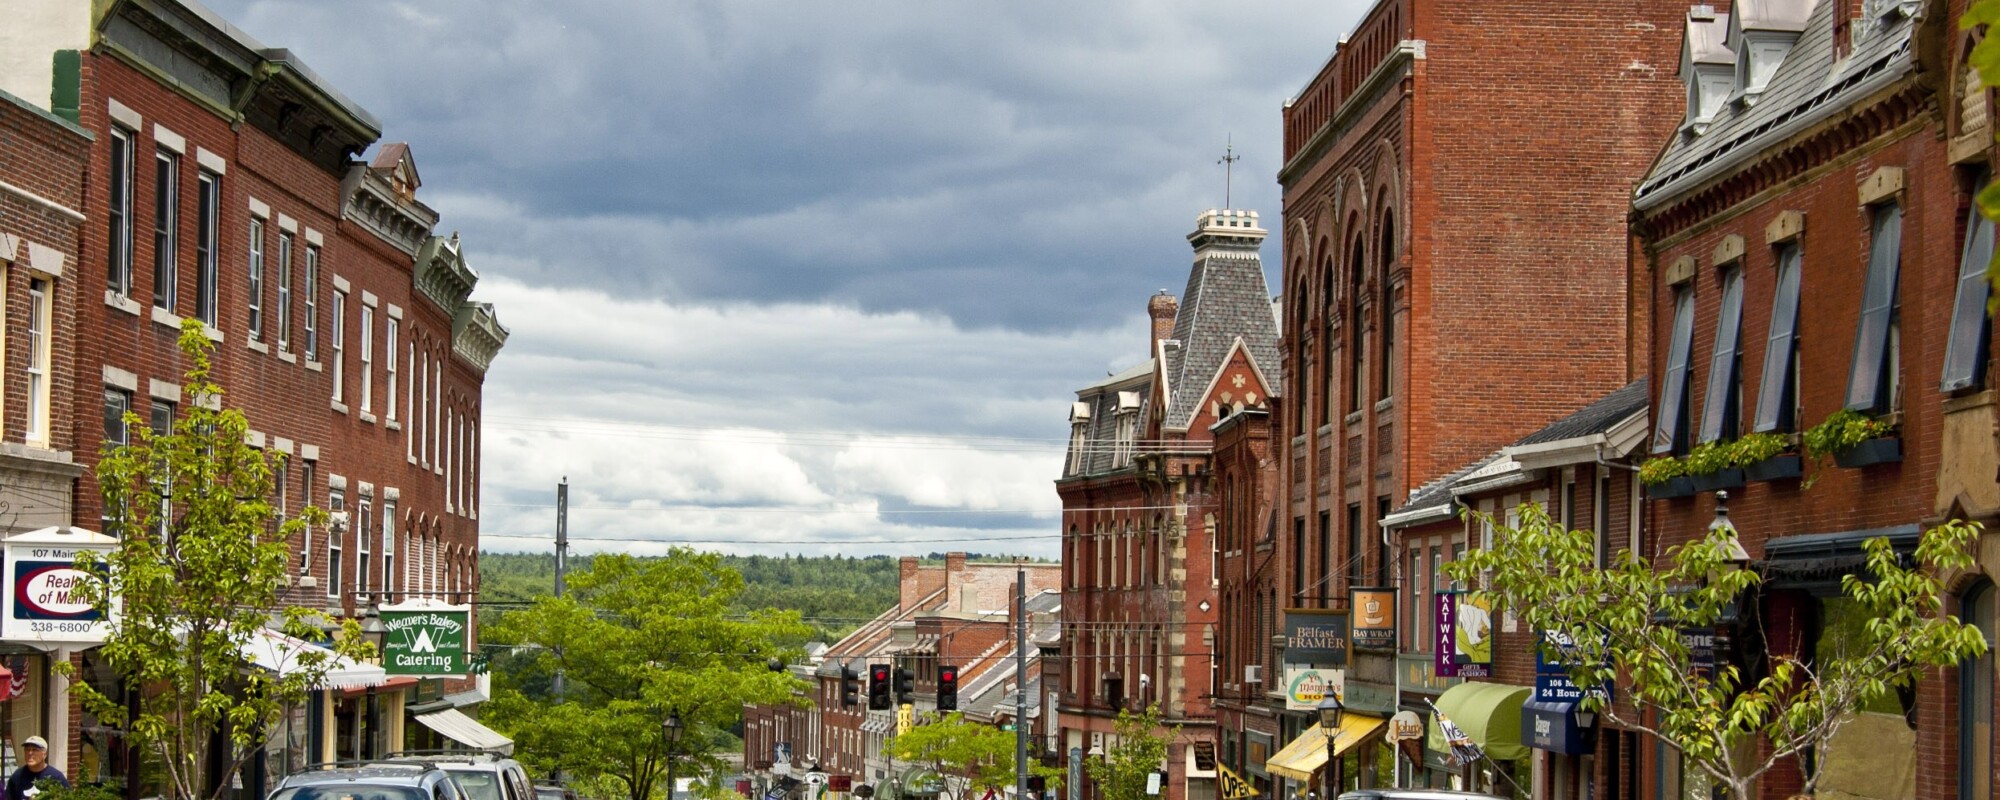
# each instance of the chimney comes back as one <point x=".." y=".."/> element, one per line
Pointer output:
<point x="1162" y="308"/>
<point x="906" y="581"/>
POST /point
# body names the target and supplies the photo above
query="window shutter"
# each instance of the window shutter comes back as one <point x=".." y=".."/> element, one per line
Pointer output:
<point x="1670" y="433"/>
<point x="1775" y="404"/>
<point x="1965" y="352"/>
<point x="1866" y="387"/>
<point x="1719" y="412"/>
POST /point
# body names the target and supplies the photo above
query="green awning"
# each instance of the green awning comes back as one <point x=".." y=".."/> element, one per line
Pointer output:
<point x="1490" y="713"/>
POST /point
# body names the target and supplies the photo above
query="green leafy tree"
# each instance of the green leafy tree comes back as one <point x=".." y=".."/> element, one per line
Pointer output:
<point x="639" y="642"/>
<point x="1624" y="625"/>
<point x="969" y="757"/>
<point x="199" y="573"/>
<point x="1140" y="751"/>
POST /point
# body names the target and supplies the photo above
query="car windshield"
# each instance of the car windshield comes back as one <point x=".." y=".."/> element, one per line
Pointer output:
<point x="478" y="785"/>
<point x="348" y="791"/>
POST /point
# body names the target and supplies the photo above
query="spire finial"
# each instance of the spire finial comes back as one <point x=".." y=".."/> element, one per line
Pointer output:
<point x="1228" y="162"/>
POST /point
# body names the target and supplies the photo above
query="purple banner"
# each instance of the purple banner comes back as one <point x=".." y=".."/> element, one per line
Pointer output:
<point x="1445" y="642"/>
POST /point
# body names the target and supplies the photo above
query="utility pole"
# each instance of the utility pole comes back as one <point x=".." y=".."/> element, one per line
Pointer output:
<point x="1021" y="681"/>
<point x="562" y="559"/>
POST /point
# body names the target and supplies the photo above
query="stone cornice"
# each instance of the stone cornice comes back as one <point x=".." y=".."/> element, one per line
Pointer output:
<point x="368" y="199"/>
<point x="477" y="335"/>
<point x="442" y="274"/>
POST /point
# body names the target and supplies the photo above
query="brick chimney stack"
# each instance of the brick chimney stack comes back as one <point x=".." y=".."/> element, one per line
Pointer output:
<point x="1162" y="309"/>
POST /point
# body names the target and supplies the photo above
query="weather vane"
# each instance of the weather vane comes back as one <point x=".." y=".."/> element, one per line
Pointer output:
<point x="1228" y="162"/>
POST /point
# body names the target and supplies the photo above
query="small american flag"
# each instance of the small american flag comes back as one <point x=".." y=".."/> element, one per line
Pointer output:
<point x="18" y="682"/>
<point x="1462" y="749"/>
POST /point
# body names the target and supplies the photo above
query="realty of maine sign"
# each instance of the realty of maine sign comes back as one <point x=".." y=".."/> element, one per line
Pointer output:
<point x="41" y="603"/>
<point x="425" y="640"/>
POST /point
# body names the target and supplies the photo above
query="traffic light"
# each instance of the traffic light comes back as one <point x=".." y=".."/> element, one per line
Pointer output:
<point x="906" y="683"/>
<point x="878" y="687"/>
<point x="850" y="687"/>
<point x="947" y="699"/>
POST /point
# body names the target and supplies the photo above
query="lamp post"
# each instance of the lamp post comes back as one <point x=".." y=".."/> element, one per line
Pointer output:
<point x="1738" y="558"/>
<point x="670" y="732"/>
<point x="1330" y="712"/>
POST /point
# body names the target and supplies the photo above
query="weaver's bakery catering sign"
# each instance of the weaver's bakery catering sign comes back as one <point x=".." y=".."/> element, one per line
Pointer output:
<point x="425" y="639"/>
<point x="42" y="603"/>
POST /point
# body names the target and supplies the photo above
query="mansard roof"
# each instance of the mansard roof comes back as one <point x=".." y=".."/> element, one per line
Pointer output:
<point x="1810" y="86"/>
<point x="1704" y="40"/>
<point x="1225" y="300"/>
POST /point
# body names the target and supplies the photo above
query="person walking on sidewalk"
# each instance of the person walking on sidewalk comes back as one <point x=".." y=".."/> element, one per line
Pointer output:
<point x="34" y="769"/>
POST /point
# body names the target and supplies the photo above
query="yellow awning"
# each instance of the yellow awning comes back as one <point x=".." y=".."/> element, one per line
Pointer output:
<point x="1307" y="754"/>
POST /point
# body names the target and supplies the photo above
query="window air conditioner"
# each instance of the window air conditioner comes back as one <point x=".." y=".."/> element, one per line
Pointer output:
<point x="1253" y="673"/>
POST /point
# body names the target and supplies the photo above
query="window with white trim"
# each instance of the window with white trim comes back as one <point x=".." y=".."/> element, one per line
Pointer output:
<point x="166" y="225"/>
<point x="389" y="367"/>
<point x="391" y="581"/>
<point x="364" y="534"/>
<point x="255" y="290"/>
<point x="339" y="333"/>
<point x="336" y="501"/>
<point x="119" y="216"/>
<point x="40" y="293"/>
<point x="311" y="292"/>
<point x="367" y="357"/>
<point x="207" y="243"/>
<point x="306" y="475"/>
<point x="285" y="290"/>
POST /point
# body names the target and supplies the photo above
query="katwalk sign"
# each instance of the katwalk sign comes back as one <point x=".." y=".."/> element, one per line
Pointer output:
<point x="425" y="638"/>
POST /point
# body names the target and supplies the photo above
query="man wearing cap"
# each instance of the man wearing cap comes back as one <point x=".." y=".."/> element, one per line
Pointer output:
<point x="34" y="769"/>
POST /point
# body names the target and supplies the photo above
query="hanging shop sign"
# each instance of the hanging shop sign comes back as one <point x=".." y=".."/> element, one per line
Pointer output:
<point x="1305" y="687"/>
<point x="42" y="604"/>
<point x="1553" y="683"/>
<point x="1315" y="636"/>
<point x="425" y="638"/>
<point x="1464" y="636"/>
<point x="1374" y="617"/>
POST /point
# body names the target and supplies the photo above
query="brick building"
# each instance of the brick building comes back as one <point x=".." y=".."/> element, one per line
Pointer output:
<point x="958" y="613"/>
<point x="1247" y="577"/>
<point x="42" y="161"/>
<point x="1139" y="508"/>
<point x="222" y="185"/>
<point x="1810" y="247"/>
<point x="1455" y="207"/>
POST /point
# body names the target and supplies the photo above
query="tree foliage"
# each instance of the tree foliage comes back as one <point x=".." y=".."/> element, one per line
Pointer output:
<point x="639" y="641"/>
<point x="198" y="575"/>
<point x="1139" y="751"/>
<point x="1985" y="58"/>
<point x="1624" y="625"/>
<point x="969" y="757"/>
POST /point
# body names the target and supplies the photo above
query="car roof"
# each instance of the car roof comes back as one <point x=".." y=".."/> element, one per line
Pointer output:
<point x="402" y="774"/>
<point x="1415" y="794"/>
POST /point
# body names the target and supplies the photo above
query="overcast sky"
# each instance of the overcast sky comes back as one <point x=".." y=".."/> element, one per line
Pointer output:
<point x="811" y="277"/>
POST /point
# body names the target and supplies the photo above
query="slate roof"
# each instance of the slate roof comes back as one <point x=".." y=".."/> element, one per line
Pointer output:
<point x="1808" y="87"/>
<point x="1225" y="298"/>
<point x="1598" y="417"/>
<point x="1101" y="433"/>
<point x="1436" y="495"/>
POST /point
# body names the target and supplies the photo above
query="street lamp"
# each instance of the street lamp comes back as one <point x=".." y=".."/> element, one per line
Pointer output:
<point x="1330" y="712"/>
<point x="670" y="732"/>
<point x="1736" y="558"/>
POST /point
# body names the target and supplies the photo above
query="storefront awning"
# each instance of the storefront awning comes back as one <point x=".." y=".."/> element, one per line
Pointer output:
<point x="284" y="655"/>
<point x="1307" y="754"/>
<point x="1489" y="713"/>
<point x="467" y="731"/>
<point x="1554" y="727"/>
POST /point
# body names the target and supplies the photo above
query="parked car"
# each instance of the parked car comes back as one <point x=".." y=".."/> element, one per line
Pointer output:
<point x="406" y="781"/>
<point x="554" y="790"/>
<point x="1415" y="794"/>
<point x="482" y="776"/>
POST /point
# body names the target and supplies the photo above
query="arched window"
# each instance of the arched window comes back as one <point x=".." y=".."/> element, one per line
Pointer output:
<point x="1357" y="374"/>
<point x="1298" y="323"/>
<point x="1385" y="313"/>
<point x="1329" y="398"/>
<point x="1975" y="699"/>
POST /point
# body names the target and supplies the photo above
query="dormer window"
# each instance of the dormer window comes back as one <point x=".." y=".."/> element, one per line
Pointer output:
<point x="1128" y="428"/>
<point x="1707" y="67"/>
<point x="1079" y="436"/>
<point x="1761" y="33"/>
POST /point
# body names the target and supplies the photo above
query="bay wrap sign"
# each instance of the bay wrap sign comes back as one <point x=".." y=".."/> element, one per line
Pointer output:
<point x="1316" y="636"/>
<point x="41" y="604"/>
<point x="1305" y="687"/>
<point x="427" y="640"/>
<point x="1374" y="617"/>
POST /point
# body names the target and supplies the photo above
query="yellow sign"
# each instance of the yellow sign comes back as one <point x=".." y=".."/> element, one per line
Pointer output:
<point x="1234" y="787"/>
<point x="906" y="716"/>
